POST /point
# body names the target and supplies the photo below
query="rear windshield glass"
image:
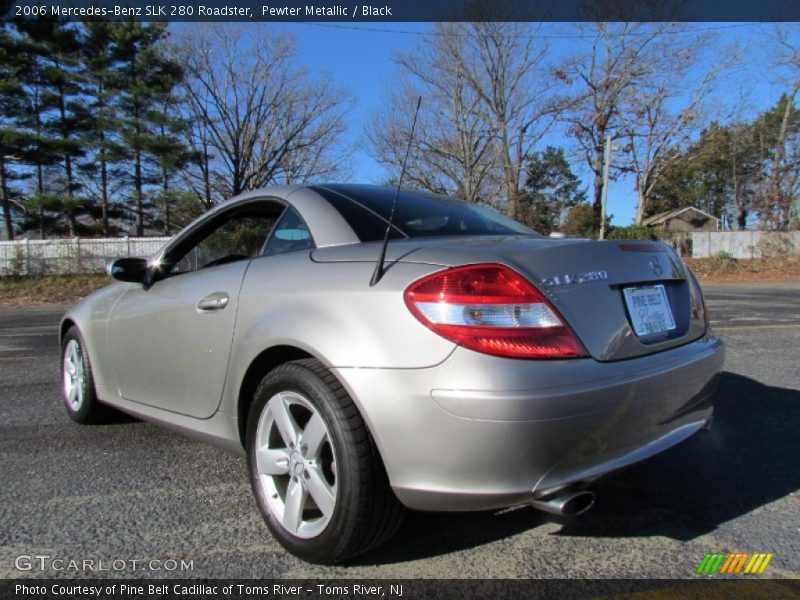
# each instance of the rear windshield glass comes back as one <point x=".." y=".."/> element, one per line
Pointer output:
<point x="366" y="209"/>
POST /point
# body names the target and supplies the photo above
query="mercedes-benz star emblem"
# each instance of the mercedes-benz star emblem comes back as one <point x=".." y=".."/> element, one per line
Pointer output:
<point x="655" y="264"/>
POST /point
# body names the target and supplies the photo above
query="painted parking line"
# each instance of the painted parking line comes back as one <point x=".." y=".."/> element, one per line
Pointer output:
<point x="748" y="327"/>
<point x="47" y="333"/>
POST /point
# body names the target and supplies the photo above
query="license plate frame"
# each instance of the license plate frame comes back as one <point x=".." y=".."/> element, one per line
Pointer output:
<point x="649" y="310"/>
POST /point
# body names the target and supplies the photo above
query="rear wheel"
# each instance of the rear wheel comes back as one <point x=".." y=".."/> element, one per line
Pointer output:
<point x="80" y="398"/>
<point x="314" y="468"/>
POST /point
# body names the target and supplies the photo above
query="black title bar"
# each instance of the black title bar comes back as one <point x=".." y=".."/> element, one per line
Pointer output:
<point x="384" y="11"/>
<point x="405" y="589"/>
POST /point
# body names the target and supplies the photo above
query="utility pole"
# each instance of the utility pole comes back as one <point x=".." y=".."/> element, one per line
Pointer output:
<point x="604" y="195"/>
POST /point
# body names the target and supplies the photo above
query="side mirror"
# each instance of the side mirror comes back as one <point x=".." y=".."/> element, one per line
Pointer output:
<point x="129" y="269"/>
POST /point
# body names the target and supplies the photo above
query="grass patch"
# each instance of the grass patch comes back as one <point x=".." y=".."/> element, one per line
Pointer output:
<point x="52" y="289"/>
<point x="723" y="267"/>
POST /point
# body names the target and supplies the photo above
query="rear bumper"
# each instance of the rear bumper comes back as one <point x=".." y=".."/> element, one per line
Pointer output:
<point x="479" y="432"/>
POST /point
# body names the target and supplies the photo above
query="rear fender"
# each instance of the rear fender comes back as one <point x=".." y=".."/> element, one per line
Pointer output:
<point x="339" y="320"/>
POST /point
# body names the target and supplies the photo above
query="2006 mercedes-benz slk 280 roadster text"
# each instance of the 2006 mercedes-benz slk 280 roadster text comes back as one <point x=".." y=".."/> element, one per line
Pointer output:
<point x="485" y="367"/>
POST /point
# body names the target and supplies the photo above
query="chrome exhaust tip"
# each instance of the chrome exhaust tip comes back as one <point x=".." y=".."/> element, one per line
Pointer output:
<point x="567" y="504"/>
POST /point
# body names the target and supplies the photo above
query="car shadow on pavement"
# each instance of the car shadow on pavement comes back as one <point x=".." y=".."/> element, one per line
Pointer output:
<point x="749" y="459"/>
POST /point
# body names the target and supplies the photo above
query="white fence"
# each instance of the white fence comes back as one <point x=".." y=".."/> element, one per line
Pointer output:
<point x="745" y="244"/>
<point x="90" y="255"/>
<point x="69" y="256"/>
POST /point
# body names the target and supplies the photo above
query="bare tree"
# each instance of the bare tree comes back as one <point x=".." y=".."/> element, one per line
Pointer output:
<point x="489" y="98"/>
<point x="453" y="147"/>
<point x="197" y="175"/>
<point x="506" y="66"/>
<point x="664" y="109"/>
<point x="782" y="188"/>
<point x="260" y="118"/>
<point x="619" y="60"/>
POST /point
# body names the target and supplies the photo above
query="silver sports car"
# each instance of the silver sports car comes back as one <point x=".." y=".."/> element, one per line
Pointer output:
<point x="484" y="367"/>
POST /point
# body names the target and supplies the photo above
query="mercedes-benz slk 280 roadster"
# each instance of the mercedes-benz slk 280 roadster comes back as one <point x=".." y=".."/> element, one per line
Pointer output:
<point x="486" y="367"/>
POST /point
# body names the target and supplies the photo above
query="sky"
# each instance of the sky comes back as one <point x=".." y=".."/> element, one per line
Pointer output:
<point x="360" y="58"/>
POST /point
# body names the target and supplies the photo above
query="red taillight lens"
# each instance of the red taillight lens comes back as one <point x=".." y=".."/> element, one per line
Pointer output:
<point x="492" y="309"/>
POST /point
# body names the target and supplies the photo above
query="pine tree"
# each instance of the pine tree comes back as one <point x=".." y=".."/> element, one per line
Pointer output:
<point x="12" y="140"/>
<point x="551" y="189"/>
<point x="56" y="49"/>
<point x="737" y="169"/>
<point x="41" y="150"/>
<point x="715" y="174"/>
<point x="777" y="135"/>
<point x="143" y="76"/>
<point x="102" y="122"/>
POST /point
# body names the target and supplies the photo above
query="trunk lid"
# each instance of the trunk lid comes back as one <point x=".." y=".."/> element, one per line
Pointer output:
<point x="585" y="280"/>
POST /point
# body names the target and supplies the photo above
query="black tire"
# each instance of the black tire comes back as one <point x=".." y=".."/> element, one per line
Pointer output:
<point x="88" y="410"/>
<point x="366" y="511"/>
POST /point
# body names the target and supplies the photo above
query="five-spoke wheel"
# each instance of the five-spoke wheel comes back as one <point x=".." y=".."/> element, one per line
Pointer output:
<point x="296" y="464"/>
<point x="74" y="375"/>
<point x="77" y="380"/>
<point x="315" y="471"/>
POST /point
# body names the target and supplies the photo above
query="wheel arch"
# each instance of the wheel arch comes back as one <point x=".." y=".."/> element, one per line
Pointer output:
<point x="271" y="358"/>
<point x="260" y="366"/>
<point x="66" y="325"/>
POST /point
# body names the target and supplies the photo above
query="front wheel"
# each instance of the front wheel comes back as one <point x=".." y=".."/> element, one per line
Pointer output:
<point x="314" y="468"/>
<point x="80" y="398"/>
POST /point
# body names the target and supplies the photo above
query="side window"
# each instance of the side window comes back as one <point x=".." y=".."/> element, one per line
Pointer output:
<point x="239" y="237"/>
<point x="368" y="225"/>
<point x="290" y="234"/>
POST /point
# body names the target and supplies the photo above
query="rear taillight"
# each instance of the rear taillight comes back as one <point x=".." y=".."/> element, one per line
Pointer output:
<point x="703" y="306"/>
<point x="492" y="309"/>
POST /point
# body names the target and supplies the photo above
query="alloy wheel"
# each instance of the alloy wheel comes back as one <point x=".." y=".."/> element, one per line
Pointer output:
<point x="296" y="464"/>
<point x="74" y="375"/>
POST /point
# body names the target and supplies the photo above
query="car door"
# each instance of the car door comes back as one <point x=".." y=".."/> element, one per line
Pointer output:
<point x="170" y="342"/>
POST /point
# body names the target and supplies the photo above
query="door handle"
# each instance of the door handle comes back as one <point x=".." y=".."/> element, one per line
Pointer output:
<point x="212" y="302"/>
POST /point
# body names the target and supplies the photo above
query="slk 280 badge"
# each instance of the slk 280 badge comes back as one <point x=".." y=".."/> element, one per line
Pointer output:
<point x="575" y="278"/>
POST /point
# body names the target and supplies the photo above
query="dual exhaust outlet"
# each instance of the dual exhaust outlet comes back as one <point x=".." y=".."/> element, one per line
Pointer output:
<point x="565" y="503"/>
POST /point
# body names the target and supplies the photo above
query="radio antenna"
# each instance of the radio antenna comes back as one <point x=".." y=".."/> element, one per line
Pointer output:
<point x="378" y="272"/>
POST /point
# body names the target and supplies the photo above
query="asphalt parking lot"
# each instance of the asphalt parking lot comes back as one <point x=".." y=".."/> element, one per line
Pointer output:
<point x="136" y="492"/>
